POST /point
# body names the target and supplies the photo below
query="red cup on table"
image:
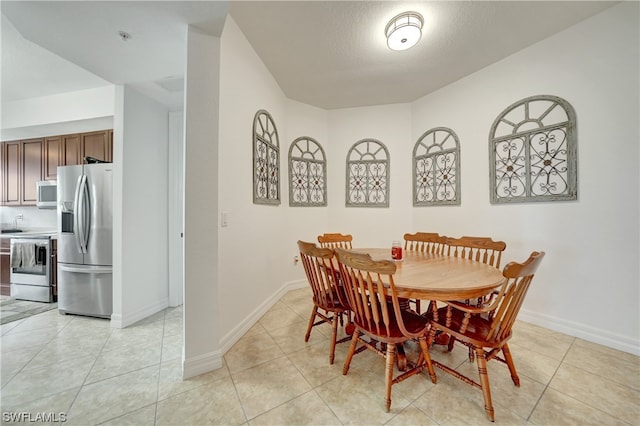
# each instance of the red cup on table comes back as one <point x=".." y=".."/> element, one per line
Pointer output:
<point x="396" y="250"/>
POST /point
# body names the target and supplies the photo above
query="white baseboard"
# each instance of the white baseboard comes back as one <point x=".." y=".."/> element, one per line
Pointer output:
<point x="201" y="364"/>
<point x="582" y="331"/>
<point x="237" y="332"/>
<point x="125" y="320"/>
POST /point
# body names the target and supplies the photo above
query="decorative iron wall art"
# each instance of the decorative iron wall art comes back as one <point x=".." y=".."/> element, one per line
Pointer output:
<point x="307" y="173"/>
<point x="367" y="174"/>
<point x="266" y="160"/>
<point x="532" y="152"/>
<point x="436" y="164"/>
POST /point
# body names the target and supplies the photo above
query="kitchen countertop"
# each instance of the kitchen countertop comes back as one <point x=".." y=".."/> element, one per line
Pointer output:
<point x="31" y="233"/>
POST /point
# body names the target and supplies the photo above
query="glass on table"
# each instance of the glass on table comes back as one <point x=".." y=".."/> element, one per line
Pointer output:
<point x="396" y="250"/>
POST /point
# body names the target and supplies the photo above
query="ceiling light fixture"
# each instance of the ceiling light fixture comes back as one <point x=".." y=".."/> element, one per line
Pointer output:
<point x="404" y="30"/>
<point x="124" y="36"/>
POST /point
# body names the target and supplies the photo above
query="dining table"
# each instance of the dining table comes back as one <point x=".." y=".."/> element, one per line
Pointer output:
<point x="437" y="277"/>
<point x="431" y="276"/>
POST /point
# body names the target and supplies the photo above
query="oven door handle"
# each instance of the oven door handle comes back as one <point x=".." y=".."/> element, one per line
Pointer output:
<point x="85" y="270"/>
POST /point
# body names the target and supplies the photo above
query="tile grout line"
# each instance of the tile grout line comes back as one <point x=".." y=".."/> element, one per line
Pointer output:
<point x="89" y="371"/>
<point x="546" y="385"/>
<point x="164" y="325"/>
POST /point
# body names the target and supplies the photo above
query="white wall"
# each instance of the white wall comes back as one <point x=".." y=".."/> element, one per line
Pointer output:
<point x="55" y="109"/>
<point x="391" y="125"/>
<point x="140" y="214"/>
<point x="176" y="208"/>
<point x="252" y="247"/>
<point x="303" y="223"/>
<point x="588" y="283"/>
<point x="202" y="310"/>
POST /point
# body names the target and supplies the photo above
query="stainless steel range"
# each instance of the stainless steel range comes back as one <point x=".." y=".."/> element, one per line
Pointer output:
<point x="32" y="276"/>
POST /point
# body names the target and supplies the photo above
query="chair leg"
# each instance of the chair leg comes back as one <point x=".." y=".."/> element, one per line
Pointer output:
<point x="432" y="336"/>
<point x="314" y="311"/>
<point x="452" y="340"/>
<point x="427" y="358"/>
<point x="484" y="382"/>
<point x="388" y="374"/>
<point x="352" y="350"/>
<point x="512" y="367"/>
<point x="334" y="336"/>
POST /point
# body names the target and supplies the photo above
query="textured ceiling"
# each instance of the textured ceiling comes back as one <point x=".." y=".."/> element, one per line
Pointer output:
<point x="330" y="54"/>
<point x="334" y="54"/>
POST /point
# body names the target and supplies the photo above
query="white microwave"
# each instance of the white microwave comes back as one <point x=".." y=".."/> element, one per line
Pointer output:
<point x="47" y="191"/>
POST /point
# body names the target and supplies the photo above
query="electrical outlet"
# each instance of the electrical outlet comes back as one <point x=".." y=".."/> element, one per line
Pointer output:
<point x="19" y="217"/>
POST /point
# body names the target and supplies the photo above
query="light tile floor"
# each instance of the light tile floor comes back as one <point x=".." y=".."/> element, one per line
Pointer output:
<point x="14" y="309"/>
<point x="97" y="375"/>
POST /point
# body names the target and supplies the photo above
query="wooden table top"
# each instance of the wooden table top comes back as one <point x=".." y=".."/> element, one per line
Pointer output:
<point x="437" y="277"/>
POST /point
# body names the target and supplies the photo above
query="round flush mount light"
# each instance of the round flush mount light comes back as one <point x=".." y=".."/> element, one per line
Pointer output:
<point x="404" y="30"/>
<point x="124" y="36"/>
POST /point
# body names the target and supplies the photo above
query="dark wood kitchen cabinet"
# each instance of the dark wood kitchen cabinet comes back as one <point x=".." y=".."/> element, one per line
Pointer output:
<point x="5" y="266"/>
<point x="97" y="145"/>
<point x="52" y="150"/>
<point x="27" y="161"/>
<point x="21" y="169"/>
<point x="70" y="150"/>
<point x="11" y="173"/>
<point x="32" y="156"/>
<point x="77" y="146"/>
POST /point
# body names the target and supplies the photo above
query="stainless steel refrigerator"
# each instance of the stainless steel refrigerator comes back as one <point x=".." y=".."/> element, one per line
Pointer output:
<point x="85" y="240"/>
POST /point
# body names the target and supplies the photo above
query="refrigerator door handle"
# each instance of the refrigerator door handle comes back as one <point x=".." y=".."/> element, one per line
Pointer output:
<point x="92" y="270"/>
<point x="86" y="216"/>
<point x="76" y="215"/>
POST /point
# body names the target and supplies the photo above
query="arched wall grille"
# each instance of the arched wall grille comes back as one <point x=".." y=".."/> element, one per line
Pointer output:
<point x="266" y="160"/>
<point x="532" y="152"/>
<point x="307" y="173"/>
<point x="367" y="174"/>
<point x="436" y="164"/>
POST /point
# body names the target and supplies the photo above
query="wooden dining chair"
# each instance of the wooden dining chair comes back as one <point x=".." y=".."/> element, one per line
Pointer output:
<point x="424" y="242"/>
<point x="335" y="240"/>
<point x="480" y="249"/>
<point x="328" y="296"/>
<point x="377" y="314"/>
<point x="487" y="329"/>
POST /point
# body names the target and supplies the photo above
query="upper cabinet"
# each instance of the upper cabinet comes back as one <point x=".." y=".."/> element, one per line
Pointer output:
<point x="28" y="161"/>
<point x="11" y="173"/>
<point x="32" y="156"/>
<point x="70" y="150"/>
<point x="21" y="169"/>
<point x="52" y="148"/>
<point x="97" y="145"/>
